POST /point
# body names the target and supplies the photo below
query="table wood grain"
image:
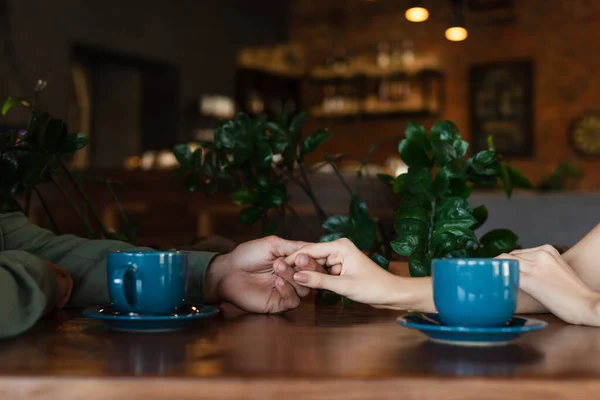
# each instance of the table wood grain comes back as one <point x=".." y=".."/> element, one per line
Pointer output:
<point x="313" y="352"/>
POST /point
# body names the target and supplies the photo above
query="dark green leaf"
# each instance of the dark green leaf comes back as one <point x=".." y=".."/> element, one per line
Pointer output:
<point x="298" y="121"/>
<point x="413" y="211"/>
<point x="416" y="133"/>
<point x="442" y="182"/>
<point x="407" y="245"/>
<point x="480" y="214"/>
<point x="279" y="138"/>
<point x="249" y="215"/>
<point x="365" y="231"/>
<point x="454" y="209"/>
<point x="11" y="102"/>
<point x="289" y="156"/>
<point x="486" y="157"/>
<point x="244" y="196"/>
<point x="263" y="154"/>
<point x="400" y="184"/>
<point x="183" y="154"/>
<point x="310" y="143"/>
<point x="413" y="154"/>
<point x="381" y="261"/>
<point x="276" y="196"/>
<point x="518" y="180"/>
<point x="262" y="180"/>
<point x="54" y="135"/>
<point x="209" y="160"/>
<point x="507" y="185"/>
<point x="459" y="188"/>
<point x="197" y="161"/>
<point x="330" y="237"/>
<point x="242" y="152"/>
<point x="387" y="179"/>
<point x="35" y="128"/>
<point x="411" y="227"/>
<point x="444" y="131"/>
<point x="191" y="182"/>
<point x="419" y="266"/>
<point x="446" y="143"/>
<point x="496" y="242"/>
<point x="419" y="182"/>
<point x="450" y="238"/>
<point x="443" y="152"/>
<point x="338" y="223"/>
<point x="74" y="142"/>
<point x="490" y="142"/>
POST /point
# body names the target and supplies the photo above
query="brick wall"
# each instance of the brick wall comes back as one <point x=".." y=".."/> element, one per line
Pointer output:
<point x="560" y="36"/>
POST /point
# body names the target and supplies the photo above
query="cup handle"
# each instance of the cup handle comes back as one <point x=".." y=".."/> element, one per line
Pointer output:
<point x="118" y="281"/>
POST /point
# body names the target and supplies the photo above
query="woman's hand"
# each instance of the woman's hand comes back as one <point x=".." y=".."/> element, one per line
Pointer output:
<point x="351" y="274"/>
<point x="550" y="280"/>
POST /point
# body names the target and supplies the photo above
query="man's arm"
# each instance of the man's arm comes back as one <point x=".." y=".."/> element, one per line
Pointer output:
<point x="84" y="259"/>
<point x="27" y="291"/>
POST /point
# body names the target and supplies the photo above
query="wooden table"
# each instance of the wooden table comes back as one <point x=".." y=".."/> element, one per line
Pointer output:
<point x="309" y="353"/>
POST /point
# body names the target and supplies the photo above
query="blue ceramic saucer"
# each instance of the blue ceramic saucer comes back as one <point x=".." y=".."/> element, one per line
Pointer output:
<point x="432" y="326"/>
<point x="131" y="322"/>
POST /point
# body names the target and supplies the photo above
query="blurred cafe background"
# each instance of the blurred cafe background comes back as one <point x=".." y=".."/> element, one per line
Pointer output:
<point x="139" y="76"/>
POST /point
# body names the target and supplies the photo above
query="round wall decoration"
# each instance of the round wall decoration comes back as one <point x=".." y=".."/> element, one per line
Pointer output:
<point x="584" y="134"/>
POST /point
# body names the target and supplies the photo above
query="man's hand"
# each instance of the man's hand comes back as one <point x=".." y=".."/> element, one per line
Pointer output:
<point x="64" y="285"/>
<point x="247" y="277"/>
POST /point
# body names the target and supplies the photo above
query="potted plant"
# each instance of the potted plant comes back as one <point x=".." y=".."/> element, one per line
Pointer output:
<point x="37" y="156"/>
<point x="258" y="159"/>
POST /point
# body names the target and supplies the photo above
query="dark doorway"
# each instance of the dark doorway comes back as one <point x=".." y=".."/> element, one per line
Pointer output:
<point x="133" y="104"/>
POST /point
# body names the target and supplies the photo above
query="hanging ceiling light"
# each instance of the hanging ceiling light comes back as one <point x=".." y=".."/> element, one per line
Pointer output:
<point x="457" y="32"/>
<point x="416" y="12"/>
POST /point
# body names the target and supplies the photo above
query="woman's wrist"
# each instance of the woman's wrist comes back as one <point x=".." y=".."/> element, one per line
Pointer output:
<point x="410" y="294"/>
<point x="592" y="310"/>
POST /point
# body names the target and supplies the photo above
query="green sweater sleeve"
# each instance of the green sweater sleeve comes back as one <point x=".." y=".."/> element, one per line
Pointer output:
<point x="27" y="291"/>
<point x="84" y="259"/>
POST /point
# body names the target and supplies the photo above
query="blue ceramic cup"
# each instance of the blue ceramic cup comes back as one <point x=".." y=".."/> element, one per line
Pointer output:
<point x="147" y="281"/>
<point x="475" y="292"/>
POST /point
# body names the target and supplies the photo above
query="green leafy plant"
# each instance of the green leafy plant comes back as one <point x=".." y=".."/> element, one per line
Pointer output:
<point x="37" y="156"/>
<point x="434" y="219"/>
<point x="564" y="177"/>
<point x="257" y="159"/>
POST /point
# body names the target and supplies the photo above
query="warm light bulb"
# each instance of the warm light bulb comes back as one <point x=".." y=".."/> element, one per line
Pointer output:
<point x="417" y="14"/>
<point x="456" y="33"/>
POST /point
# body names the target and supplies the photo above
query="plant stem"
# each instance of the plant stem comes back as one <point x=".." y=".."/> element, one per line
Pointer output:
<point x="47" y="211"/>
<point x="385" y="242"/>
<point x="105" y="231"/>
<point x="341" y="178"/>
<point x="78" y="211"/>
<point x="307" y="188"/>
<point x="116" y="200"/>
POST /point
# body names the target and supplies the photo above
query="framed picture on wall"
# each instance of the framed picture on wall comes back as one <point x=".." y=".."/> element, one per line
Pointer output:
<point x="501" y="105"/>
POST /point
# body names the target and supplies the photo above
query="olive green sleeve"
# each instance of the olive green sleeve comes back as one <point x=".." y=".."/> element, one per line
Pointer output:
<point x="27" y="291"/>
<point x="85" y="259"/>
